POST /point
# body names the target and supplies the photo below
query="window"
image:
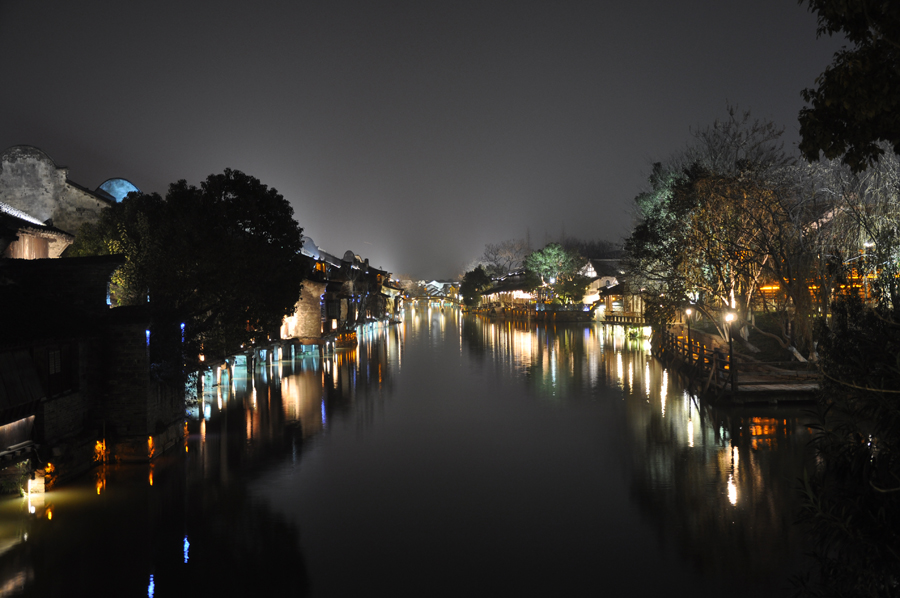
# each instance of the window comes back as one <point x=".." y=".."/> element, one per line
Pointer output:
<point x="54" y="359"/>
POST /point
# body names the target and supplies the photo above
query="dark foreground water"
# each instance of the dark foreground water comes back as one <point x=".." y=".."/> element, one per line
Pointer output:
<point x="445" y="456"/>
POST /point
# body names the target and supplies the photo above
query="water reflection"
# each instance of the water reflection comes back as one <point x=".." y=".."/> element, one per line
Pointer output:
<point x="717" y="485"/>
<point x="560" y="362"/>
<point x="498" y="457"/>
<point x="188" y="522"/>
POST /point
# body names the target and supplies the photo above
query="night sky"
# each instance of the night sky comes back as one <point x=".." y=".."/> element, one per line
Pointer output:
<point x="411" y="133"/>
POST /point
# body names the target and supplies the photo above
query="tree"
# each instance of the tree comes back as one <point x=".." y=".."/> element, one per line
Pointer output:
<point x="502" y="258"/>
<point x="473" y="284"/>
<point x="597" y="249"/>
<point x="573" y="289"/>
<point x="851" y="502"/>
<point x="558" y="269"/>
<point x="222" y="258"/>
<point x="857" y="99"/>
<point x="709" y="224"/>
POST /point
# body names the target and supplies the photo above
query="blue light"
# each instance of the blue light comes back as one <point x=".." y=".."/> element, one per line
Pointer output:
<point x="148" y="337"/>
<point x="151" y="587"/>
<point x="187" y="546"/>
<point x="323" y="414"/>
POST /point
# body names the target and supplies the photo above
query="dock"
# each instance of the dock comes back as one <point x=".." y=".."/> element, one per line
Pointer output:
<point x="711" y="369"/>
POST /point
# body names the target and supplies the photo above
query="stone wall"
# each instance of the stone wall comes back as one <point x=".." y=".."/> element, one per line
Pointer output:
<point x="32" y="182"/>
<point x="306" y="321"/>
<point x="143" y="416"/>
<point x="127" y="363"/>
<point x="61" y="417"/>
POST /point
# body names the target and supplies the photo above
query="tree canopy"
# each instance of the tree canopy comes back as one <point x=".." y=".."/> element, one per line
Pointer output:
<point x="473" y="284"/>
<point x="222" y="258"/>
<point x="499" y="259"/>
<point x="701" y="232"/>
<point x="560" y="270"/>
<point x="857" y="99"/>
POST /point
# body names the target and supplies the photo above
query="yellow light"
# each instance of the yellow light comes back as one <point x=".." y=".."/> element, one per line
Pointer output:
<point x="100" y="452"/>
<point x="729" y="317"/>
<point x="49" y="514"/>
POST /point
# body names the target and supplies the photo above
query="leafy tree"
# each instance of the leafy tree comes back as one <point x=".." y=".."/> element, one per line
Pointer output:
<point x="700" y="232"/>
<point x="473" y="284"/>
<point x="573" y="289"/>
<point x="222" y="258"/>
<point x="559" y="269"/>
<point x="553" y="263"/>
<point x="857" y="99"/>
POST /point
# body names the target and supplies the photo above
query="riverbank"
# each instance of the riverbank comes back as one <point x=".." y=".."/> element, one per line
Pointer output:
<point x="712" y="368"/>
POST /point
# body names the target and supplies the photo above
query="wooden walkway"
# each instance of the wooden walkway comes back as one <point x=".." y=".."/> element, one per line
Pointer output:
<point x="628" y="319"/>
<point x="704" y="360"/>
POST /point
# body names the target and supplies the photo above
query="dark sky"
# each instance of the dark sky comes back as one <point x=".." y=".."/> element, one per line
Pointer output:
<point x="411" y="133"/>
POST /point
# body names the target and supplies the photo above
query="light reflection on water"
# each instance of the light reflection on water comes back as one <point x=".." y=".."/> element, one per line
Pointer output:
<point x="446" y="454"/>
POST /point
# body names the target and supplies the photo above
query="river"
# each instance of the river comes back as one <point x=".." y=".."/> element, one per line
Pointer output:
<point x="446" y="455"/>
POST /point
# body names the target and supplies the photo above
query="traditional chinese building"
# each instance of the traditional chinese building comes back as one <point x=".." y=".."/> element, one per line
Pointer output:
<point x="30" y="181"/>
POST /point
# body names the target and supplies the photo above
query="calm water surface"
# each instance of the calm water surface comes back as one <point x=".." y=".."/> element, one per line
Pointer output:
<point x="447" y="455"/>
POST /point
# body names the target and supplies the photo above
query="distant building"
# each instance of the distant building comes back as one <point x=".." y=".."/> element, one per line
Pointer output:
<point x="441" y="288"/>
<point x="511" y="291"/>
<point x="338" y="295"/>
<point x="604" y="274"/>
<point x="31" y="182"/>
<point x="75" y="373"/>
<point x="118" y="189"/>
<point x="25" y="237"/>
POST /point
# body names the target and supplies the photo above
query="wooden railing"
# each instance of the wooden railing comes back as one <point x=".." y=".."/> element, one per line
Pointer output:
<point x="711" y="367"/>
<point x="634" y="319"/>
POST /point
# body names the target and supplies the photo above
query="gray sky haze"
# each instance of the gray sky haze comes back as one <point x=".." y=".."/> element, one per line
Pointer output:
<point x="411" y="133"/>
